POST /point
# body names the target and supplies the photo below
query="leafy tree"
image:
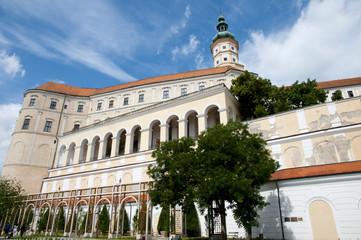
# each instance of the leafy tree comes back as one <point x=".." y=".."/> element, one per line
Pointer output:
<point x="337" y="95"/>
<point x="10" y="195"/>
<point x="43" y="220"/>
<point x="126" y="226"/>
<point x="104" y="220"/>
<point x="174" y="173"/>
<point x="192" y="222"/>
<point x="233" y="165"/>
<point x="258" y="97"/>
<point x="60" y="220"/>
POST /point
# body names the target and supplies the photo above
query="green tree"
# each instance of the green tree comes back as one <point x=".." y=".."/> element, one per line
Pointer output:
<point x="104" y="220"/>
<point x="192" y="222"/>
<point x="60" y="220"/>
<point x="258" y="97"/>
<point x="233" y="165"/>
<point x="43" y="220"/>
<point x="126" y="226"/>
<point x="83" y="222"/>
<point x="173" y="173"/>
<point x="253" y="94"/>
<point x="337" y="95"/>
<point x="10" y="195"/>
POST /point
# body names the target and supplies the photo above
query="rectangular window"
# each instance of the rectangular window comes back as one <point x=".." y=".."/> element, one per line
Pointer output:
<point x="350" y="93"/>
<point x="141" y="97"/>
<point x="76" y="126"/>
<point x="183" y="91"/>
<point x="32" y="102"/>
<point x="234" y="60"/>
<point x="165" y="94"/>
<point x="126" y="101"/>
<point x="52" y="105"/>
<point x="224" y="47"/>
<point x="111" y="104"/>
<point x="99" y="106"/>
<point x="225" y="59"/>
<point x="65" y="106"/>
<point x="201" y="87"/>
<point x="80" y="108"/>
<point x="217" y="62"/>
<point x="26" y="123"/>
<point x="232" y="48"/>
<point x="47" y="127"/>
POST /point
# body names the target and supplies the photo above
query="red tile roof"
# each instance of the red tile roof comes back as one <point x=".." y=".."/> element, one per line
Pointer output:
<point x="77" y="91"/>
<point x="339" y="83"/>
<point x="320" y="170"/>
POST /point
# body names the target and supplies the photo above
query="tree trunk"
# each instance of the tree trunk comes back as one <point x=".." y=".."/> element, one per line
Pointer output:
<point x="222" y="209"/>
<point x="249" y="234"/>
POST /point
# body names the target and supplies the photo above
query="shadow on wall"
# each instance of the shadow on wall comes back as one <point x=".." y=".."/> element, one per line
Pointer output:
<point x="270" y="222"/>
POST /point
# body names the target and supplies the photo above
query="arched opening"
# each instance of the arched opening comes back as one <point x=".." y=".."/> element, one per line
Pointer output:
<point x="213" y="117"/>
<point x="83" y="151"/>
<point x="192" y="125"/>
<point x="71" y="152"/>
<point x="322" y="220"/>
<point x="108" y="140"/>
<point x="173" y="128"/>
<point x="155" y="135"/>
<point x="95" y="148"/>
<point x="121" y="142"/>
<point x="61" y="156"/>
<point x="136" y="140"/>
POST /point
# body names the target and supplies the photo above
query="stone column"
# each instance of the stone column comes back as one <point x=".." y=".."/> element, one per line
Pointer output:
<point x="114" y="147"/>
<point x="202" y="122"/>
<point x="76" y="154"/>
<point x="88" y="153"/>
<point x="101" y="149"/>
<point x="182" y="128"/>
<point x="223" y="115"/>
<point x="128" y="138"/>
<point x="164" y="132"/>
<point x="145" y="139"/>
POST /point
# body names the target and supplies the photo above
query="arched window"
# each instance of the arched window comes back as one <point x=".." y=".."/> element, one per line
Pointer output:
<point x="121" y="142"/>
<point x="71" y="151"/>
<point x="83" y="151"/>
<point x="173" y="128"/>
<point x="136" y="139"/>
<point x="213" y="117"/>
<point x="108" y="145"/>
<point x="192" y="125"/>
<point x="95" y="148"/>
<point x="61" y="156"/>
<point x="155" y="134"/>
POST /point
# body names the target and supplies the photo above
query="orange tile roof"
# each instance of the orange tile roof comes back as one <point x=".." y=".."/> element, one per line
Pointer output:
<point x="78" y="91"/>
<point x="320" y="170"/>
<point x="339" y="83"/>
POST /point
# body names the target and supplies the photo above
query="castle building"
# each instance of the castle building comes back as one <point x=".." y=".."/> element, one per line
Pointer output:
<point x="89" y="144"/>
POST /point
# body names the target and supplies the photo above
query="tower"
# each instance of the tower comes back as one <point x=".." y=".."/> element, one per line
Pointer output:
<point x="224" y="47"/>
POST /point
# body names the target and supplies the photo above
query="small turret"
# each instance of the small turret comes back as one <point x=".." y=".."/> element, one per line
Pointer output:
<point x="225" y="47"/>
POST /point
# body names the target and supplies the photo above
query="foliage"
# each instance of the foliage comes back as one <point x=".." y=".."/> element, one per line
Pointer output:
<point x="104" y="220"/>
<point x="10" y="195"/>
<point x="83" y="222"/>
<point x="135" y="223"/>
<point x="258" y="97"/>
<point x="192" y="222"/>
<point x="43" y="220"/>
<point x="126" y="226"/>
<point x="163" y="222"/>
<point x="195" y="238"/>
<point x="337" y="95"/>
<point x="173" y="173"/>
<point x="29" y="215"/>
<point x="60" y="220"/>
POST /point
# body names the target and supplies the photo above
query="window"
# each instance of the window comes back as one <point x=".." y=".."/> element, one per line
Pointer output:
<point x="232" y="48"/>
<point x="350" y="93"/>
<point x="201" y="87"/>
<point x="80" y="108"/>
<point x="224" y="47"/>
<point x="47" y="127"/>
<point x="126" y="101"/>
<point x="183" y="91"/>
<point x="141" y="97"/>
<point x="65" y="106"/>
<point x="52" y="105"/>
<point x="165" y="94"/>
<point x="32" y="102"/>
<point x="76" y="126"/>
<point x="217" y="62"/>
<point x="216" y="50"/>
<point x="111" y="104"/>
<point x="225" y="59"/>
<point x="234" y="60"/>
<point x="99" y="106"/>
<point x="26" y="123"/>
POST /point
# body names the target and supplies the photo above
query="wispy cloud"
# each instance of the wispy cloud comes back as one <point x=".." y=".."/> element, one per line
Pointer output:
<point x="323" y="44"/>
<point x="175" y="29"/>
<point x="186" y="49"/>
<point x="10" y="66"/>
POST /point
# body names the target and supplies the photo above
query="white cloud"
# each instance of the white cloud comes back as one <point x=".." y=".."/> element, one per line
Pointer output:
<point x="191" y="46"/>
<point x="175" y="29"/>
<point x="199" y="61"/>
<point x="8" y="121"/>
<point x="10" y="66"/>
<point x="57" y="81"/>
<point x="187" y="13"/>
<point x="324" y="44"/>
<point x="175" y="52"/>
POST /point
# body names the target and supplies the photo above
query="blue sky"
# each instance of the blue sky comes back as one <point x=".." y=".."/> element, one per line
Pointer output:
<point x="92" y="43"/>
